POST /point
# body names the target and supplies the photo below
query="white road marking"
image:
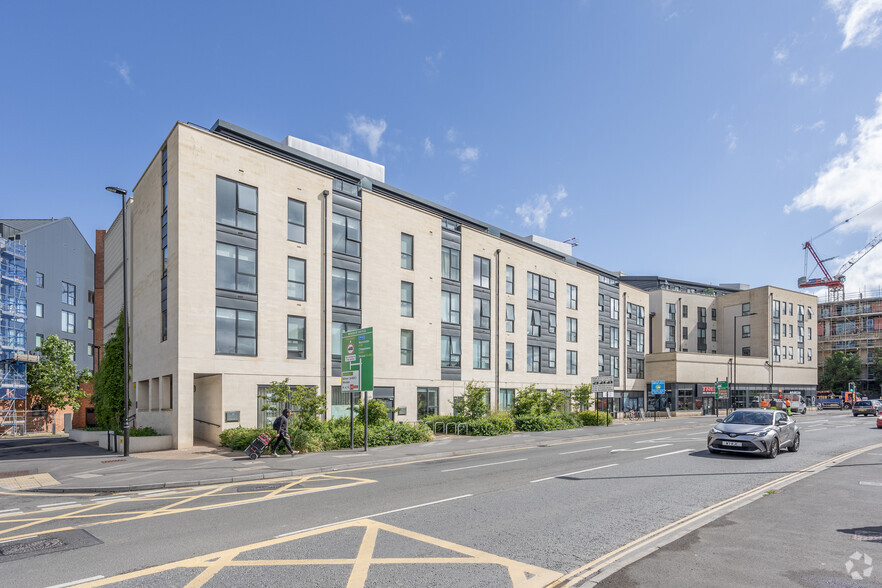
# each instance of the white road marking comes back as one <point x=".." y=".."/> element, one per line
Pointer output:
<point x="158" y="492"/>
<point x="10" y="510"/>
<point x="671" y="453"/>
<point x="870" y="483"/>
<point x="112" y="499"/>
<point x="484" y="465"/>
<point x="669" y="439"/>
<point x="643" y="448"/>
<point x="874" y="454"/>
<point x="75" y="582"/>
<point x="55" y="504"/>
<point x="248" y="502"/>
<point x="654" y="440"/>
<point x="574" y="473"/>
<point x="581" y="450"/>
<point x="379" y="514"/>
<point x="818" y="429"/>
<point x="19" y="539"/>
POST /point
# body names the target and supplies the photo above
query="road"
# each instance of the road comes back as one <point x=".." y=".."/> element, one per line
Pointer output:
<point x="525" y="517"/>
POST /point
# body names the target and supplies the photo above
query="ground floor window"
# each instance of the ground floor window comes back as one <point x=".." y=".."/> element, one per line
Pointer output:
<point x="427" y="402"/>
<point x="506" y="398"/>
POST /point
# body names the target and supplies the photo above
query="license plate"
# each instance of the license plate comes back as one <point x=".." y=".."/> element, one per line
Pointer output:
<point x="732" y="443"/>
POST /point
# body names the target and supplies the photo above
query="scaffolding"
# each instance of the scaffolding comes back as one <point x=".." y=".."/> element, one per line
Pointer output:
<point x="852" y="324"/>
<point x="13" y="334"/>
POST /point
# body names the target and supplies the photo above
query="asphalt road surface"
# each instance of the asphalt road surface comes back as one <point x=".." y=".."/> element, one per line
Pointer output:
<point x="526" y="517"/>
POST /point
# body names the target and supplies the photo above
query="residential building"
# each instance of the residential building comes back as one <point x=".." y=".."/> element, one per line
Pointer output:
<point x="853" y="325"/>
<point x="758" y="339"/>
<point x="307" y="243"/>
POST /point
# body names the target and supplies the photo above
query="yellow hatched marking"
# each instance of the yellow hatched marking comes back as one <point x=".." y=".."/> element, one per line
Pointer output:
<point x="522" y="575"/>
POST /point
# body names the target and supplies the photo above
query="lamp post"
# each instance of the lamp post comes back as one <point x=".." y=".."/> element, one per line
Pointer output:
<point x="122" y="194"/>
<point x="735" y="355"/>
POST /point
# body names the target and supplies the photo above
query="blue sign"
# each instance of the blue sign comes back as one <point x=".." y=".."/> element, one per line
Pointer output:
<point x="658" y="386"/>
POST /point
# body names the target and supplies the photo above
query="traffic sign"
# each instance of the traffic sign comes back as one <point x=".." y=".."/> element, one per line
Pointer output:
<point x="357" y="366"/>
<point x="658" y="386"/>
<point x="603" y="386"/>
<point x="722" y="389"/>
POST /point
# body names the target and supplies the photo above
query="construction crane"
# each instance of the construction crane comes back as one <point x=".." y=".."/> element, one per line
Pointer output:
<point x="836" y="282"/>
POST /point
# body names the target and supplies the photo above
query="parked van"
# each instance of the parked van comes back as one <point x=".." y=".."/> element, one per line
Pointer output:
<point x="797" y="402"/>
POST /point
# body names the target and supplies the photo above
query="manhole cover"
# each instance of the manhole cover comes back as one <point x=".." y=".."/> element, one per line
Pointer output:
<point x="112" y="460"/>
<point x="32" y="546"/>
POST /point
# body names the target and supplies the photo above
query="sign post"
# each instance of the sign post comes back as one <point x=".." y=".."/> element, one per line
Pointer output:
<point x="721" y="392"/>
<point x="357" y="369"/>
<point x="602" y="386"/>
<point x="658" y="389"/>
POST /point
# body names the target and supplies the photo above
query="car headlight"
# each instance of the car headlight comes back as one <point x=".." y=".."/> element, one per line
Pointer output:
<point x="762" y="433"/>
<point x="716" y="431"/>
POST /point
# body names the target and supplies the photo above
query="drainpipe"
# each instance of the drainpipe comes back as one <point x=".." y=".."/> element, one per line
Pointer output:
<point x="498" y="311"/>
<point x="324" y="312"/>
<point x="623" y="338"/>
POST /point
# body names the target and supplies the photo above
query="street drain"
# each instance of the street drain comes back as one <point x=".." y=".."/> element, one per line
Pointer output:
<point x="31" y="547"/>
<point x="112" y="460"/>
<point x="54" y="543"/>
<point x="258" y="487"/>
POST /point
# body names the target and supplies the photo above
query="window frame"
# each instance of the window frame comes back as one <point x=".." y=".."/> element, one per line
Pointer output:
<point x="293" y="224"/>
<point x="406" y="299"/>
<point x="406" y="253"/>
<point x="448" y="312"/>
<point x="294" y="281"/>
<point x="238" y="338"/>
<point x="406" y="338"/>
<point x="295" y="354"/>
<point x="239" y="211"/>
<point x="68" y="293"/>
<point x="450" y="255"/>
<point x="481" y="271"/>
<point x="572" y="297"/>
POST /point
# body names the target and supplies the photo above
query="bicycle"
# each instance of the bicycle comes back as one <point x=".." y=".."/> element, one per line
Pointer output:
<point x="633" y="414"/>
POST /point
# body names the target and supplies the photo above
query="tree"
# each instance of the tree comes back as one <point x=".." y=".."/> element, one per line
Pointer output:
<point x="305" y="402"/>
<point x="839" y="369"/>
<point x="55" y="381"/>
<point x="582" y="396"/>
<point x="109" y="395"/>
<point x="473" y="404"/>
<point x="876" y="366"/>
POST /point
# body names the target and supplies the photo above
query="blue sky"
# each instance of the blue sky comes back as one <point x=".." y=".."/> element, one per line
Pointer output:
<point x="698" y="140"/>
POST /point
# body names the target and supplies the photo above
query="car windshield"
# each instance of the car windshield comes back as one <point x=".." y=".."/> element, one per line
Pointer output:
<point x="749" y="418"/>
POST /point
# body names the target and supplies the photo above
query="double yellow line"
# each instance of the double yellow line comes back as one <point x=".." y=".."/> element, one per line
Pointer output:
<point x="599" y="564"/>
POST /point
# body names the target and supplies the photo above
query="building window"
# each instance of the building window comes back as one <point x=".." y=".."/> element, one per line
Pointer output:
<point x="406" y="251"/>
<point x="809" y="333"/>
<point x="164" y="215"/>
<point x="68" y="322"/>
<point x="237" y="205"/>
<point x="672" y="312"/>
<point x="509" y="357"/>
<point x="685" y="333"/>
<point x="552" y="323"/>
<point x="406" y="299"/>
<point x="337" y="330"/>
<point x="533" y="355"/>
<point x="600" y="330"/>
<point x="614" y="337"/>
<point x="640" y="372"/>
<point x="481" y="355"/>
<point x="38" y="341"/>
<point x="346" y="235"/>
<point x="600" y="367"/>
<point x="810" y="315"/>
<point x="572" y="362"/>
<point x="572" y="297"/>
<point x="745" y="309"/>
<point x="90" y="323"/>
<point x="506" y="398"/>
<point x="552" y="359"/>
<point x="296" y="337"/>
<point x="533" y="289"/>
<point x="790" y="331"/>
<point x="68" y="294"/>
<point x="90" y="350"/>
<point x="776" y="353"/>
<point x="552" y="289"/>
<point x="235" y="332"/>
<point x="39" y="279"/>
<point x="450" y="307"/>
<point x="427" y="402"/>
<point x="296" y="278"/>
<point x="713" y="334"/>
<point x="572" y="330"/>
<point x="713" y="314"/>
<point x="450" y="263"/>
<point x="685" y="311"/>
<point x="669" y="333"/>
<point x="745" y="351"/>
<point x="776" y="331"/>
<point x="450" y="351"/>
<point x="790" y="308"/>
<point x="345" y="288"/>
<point x="639" y="342"/>
<point x="509" y="279"/>
<point x="236" y="268"/>
<point x="809" y="353"/>
<point x="534" y="327"/>
<point x="481" y="313"/>
<point x="296" y="221"/>
<point x="509" y="318"/>
<point x="745" y="331"/>
<point x="406" y="347"/>
<point x="800" y="334"/>
<point x="38" y="310"/>
<point x="776" y="309"/>
<point x="614" y="308"/>
<point x="614" y="364"/>
<point x="641" y="318"/>
<point x="801" y="357"/>
<point x="482" y="272"/>
<point x="790" y="353"/>
<point x="600" y="302"/>
<point x="702" y="314"/>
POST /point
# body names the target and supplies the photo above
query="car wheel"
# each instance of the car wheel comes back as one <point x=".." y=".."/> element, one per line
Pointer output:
<point x="795" y="446"/>
<point x="803" y="411"/>
<point x="773" y="450"/>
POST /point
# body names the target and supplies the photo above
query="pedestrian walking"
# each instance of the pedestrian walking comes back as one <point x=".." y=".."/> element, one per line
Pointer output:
<point x="281" y="427"/>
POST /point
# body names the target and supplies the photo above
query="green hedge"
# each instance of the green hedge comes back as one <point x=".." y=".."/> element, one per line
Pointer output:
<point x="333" y="434"/>
<point x="590" y="418"/>
<point x="547" y="422"/>
<point x="139" y="432"/>
<point x="495" y="424"/>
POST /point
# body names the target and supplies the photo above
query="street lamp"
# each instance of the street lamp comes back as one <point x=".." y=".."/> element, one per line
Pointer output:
<point x="122" y="194"/>
<point x="735" y="355"/>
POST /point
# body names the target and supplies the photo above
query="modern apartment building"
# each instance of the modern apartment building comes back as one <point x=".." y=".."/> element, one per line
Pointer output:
<point x="250" y="257"/>
<point x="762" y="340"/>
<point x="852" y="325"/>
<point x="60" y="283"/>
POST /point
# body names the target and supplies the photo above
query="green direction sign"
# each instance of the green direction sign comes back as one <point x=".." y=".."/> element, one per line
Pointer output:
<point x="358" y="360"/>
<point x="722" y="389"/>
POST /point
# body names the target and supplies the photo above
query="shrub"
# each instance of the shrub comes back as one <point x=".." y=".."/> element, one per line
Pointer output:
<point x="239" y="438"/>
<point x="378" y="412"/>
<point x="306" y="441"/>
<point x="473" y="404"/>
<point x="545" y="422"/>
<point x="139" y="432"/>
<point x="497" y="424"/>
<point x="592" y="418"/>
<point x="333" y="434"/>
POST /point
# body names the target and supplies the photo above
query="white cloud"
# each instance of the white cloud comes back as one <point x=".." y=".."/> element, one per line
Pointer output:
<point x="535" y="212"/>
<point x="841" y="140"/>
<point x="817" y="126"/>
<point x="847" y="185"/>
<point x="780" y="54"/>
<point x="369" y="131"/>
<point x="433" y="64"/>
<point x="731" y="138"/>
<point x="428" y="148"/>
<point x="798" y="78"/>
<point x="468" y="154"/>
<point x="566" y="213"/>
<point x="124" y="71"/>
<point x="860" y="20"/>
<point x="404" y="17"/>
<point x="451" y="135"/>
